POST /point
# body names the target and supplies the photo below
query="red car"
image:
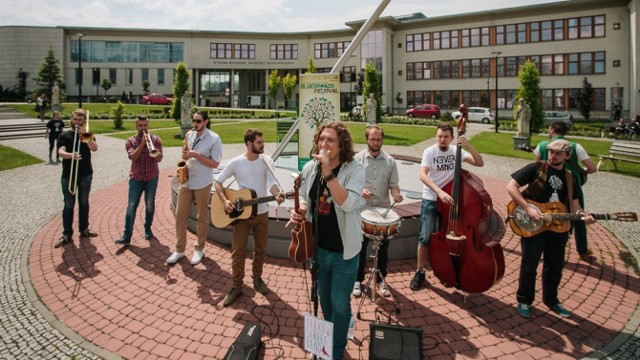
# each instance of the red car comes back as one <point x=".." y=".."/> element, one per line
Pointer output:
<point x="424" y="110"/>
<point x="157" y="99"/>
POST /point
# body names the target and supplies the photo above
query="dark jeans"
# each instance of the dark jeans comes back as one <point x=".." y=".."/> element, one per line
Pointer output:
<point x="552" y="245"/>
<point x="335" y="282"/>
<point x="383" y="255"/>
<point x="84" y="188"/>
<point x="136" y="188"/>
<point x="52" y="141"/>
<point x="580" y="228"/>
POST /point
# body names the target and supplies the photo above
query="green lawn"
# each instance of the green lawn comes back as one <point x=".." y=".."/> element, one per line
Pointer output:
<point x="11" y="158"/>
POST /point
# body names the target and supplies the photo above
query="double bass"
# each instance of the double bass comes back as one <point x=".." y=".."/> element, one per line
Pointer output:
<point x="462" y="254"/>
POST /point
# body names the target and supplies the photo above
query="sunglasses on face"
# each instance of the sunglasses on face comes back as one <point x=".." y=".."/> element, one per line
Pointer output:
<point x="197" y="121"/>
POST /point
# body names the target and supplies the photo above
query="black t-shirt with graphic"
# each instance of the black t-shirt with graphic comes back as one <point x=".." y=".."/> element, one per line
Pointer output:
<point x="554" y="189"/>
<point x="84" y="165"/>
<point x="329" y="237"/>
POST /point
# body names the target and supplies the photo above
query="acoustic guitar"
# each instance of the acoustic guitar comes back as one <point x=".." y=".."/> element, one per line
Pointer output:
<point x="555" y="218"/>
<point x="245" y="205"/>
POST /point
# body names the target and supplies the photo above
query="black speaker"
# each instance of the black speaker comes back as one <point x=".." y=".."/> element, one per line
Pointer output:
<point x="247" y="344"/>
<point x="391" y="342"/>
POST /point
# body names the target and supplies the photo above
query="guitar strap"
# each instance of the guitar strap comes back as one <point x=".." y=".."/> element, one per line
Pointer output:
<point x="272" y="173"/>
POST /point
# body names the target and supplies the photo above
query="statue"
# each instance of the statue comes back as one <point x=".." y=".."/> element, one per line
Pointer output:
<point x="371" y="107"/>
<point x="185" y="109"/>
<point x="55" y="94"/>
<point x="524" y="115"/>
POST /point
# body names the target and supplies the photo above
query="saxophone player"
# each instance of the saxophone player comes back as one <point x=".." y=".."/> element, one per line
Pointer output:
<point x="145" y="152"/>
<point x="203" y="153"/>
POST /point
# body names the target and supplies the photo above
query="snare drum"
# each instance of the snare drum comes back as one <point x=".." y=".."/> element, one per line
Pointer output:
<point x="375" y="226"/>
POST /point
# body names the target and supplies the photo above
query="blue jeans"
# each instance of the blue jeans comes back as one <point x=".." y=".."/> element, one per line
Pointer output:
<point x="84" y="188"/>
<point x="136" y="188"/>
<point x="335" y="282"/>
<point x="429" y="221"/>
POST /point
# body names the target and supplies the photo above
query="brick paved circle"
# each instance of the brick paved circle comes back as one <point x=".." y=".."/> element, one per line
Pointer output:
<point x="130" y="303"/>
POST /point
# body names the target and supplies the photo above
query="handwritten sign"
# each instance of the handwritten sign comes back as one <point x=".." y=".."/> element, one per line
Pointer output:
<point x="318" y="337"/>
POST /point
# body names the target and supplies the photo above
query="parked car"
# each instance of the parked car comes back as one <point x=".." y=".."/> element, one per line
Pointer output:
<point x="157" y="99"/>
<point x="478" y="114"/>
<point x="551" y="116"/>
<point x="424" y="110"/>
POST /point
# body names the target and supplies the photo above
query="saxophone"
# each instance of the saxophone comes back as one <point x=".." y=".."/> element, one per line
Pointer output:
<point x="183" y="169"/>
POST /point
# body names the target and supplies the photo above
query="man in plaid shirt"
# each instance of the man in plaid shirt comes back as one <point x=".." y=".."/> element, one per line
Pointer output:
<point x="143" y="177"/>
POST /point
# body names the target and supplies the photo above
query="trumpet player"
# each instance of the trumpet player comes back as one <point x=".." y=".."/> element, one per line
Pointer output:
<point x="203" y="153"/>
<point x="77" y="174"/>
<point x="145" y="152"/>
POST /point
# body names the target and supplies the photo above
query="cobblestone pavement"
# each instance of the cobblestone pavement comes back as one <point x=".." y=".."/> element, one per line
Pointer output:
<point x="32" y="198"/>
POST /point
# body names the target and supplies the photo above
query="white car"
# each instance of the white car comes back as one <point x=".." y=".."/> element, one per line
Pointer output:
<point x="478" y="114"/>
<point x="551" y="116"/>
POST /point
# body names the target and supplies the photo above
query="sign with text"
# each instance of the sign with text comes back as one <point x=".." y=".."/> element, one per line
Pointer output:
<point x="318" y="336"/>
<point x="319" y="103"/>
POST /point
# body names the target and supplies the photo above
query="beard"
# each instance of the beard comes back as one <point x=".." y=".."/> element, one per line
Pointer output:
<point x="255" y="150"/>
<point x="374" y="149"/>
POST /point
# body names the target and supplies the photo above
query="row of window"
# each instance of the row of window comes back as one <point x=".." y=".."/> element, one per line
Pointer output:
<point x="549" y="30"/>
<point x="128" y="51"/>
<point x="551" y="98"/>
<point x="97" y="73"/>
<point x="560" y="64"/>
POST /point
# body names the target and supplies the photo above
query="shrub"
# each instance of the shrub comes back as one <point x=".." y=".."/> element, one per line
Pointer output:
<point x="117" y="112"/>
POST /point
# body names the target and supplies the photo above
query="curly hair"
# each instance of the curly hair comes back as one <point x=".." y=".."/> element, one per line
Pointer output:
<point x="344" y="140"/>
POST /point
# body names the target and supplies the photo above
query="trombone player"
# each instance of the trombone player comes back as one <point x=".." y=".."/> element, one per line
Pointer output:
<point x="145" y="152"/>
<point x="75" y="147"/>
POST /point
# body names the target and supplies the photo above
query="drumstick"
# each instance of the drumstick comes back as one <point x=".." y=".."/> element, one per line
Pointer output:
<point x="384" y="216"/>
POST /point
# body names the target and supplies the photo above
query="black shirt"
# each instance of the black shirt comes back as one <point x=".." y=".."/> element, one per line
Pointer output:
<point x="328" y="231"/>
<point x="84" y="165"/>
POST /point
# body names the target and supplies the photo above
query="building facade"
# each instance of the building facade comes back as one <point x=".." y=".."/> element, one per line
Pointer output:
<point x="470" y="58"/>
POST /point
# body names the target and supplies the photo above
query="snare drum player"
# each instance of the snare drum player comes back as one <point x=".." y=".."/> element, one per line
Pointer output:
<point x="436" y="170"/>
<point x="381" y="178"/>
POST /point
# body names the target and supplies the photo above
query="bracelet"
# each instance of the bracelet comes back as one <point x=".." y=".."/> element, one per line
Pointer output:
<point x="328" y="178"/>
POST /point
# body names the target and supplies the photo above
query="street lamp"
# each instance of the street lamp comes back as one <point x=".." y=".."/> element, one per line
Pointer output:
<point x="497" y="53"/>
<point x="80" y="35"/>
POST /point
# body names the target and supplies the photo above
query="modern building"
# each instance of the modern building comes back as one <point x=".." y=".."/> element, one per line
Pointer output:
<point x="470" y="58"/>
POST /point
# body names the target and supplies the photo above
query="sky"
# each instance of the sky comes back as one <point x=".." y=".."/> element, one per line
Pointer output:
<point x="228" y="15"/>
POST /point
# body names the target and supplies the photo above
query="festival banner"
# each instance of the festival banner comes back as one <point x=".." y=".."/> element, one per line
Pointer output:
<point x="319" y="103"/>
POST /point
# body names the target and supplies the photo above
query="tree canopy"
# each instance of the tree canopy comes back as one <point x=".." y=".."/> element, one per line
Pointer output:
<point x="48" y="74"/>
<point x="531" y="92"/>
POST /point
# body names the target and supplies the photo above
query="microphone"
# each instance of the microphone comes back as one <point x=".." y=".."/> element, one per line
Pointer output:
<point x="319" y="163"/>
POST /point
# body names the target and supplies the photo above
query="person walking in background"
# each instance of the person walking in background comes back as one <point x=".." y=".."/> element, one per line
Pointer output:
<point x="251" y="170"/>
<point x="333" y="185"/>
<point x="55" y="126"/>
<point x="82" y="160"/>
<point x="545" y="182"/>
<point x="558" y="130"/>
<point x="381" y="178"/>
<point x="436" y="170"/>
<point x="203" y="153"/>
<point x="143" y="177"/>
<point x="41" y="103"/>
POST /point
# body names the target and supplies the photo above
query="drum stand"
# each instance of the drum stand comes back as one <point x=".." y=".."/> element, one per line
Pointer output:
<point x="374" y="272"/>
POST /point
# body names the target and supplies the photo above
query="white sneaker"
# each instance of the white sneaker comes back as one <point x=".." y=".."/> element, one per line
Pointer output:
<point x="174" y="257"/>
<point x="384" y="289"/>
<point x="197" y="257"/>
<point x="356" y="289"/>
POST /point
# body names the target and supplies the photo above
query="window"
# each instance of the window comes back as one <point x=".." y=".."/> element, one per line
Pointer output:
<point x="95" y="78"/>
<point x="419" y="71"/>
<point x="348" y="74"/>
<point x="128" y="76"/>
<point x="145" y="74"/>
<point x="232" y="51"/>
<point x="330" y="50"/>
<point x="160" y="76"/>
<point x="128" y="51"/>
<point x="113" y="76"/>
<point x="586" y="27"/>
<point x="415" y="98"/>
<point x="78" y="76"/>
<point x="284" y="51"/>
<point x="418" y="42"/>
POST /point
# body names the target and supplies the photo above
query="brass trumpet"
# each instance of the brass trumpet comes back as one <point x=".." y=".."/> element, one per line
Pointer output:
<point x="183" y="169"/>
<point x="153" y="152"/>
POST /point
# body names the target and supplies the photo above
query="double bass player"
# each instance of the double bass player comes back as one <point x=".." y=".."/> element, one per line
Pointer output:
<point x="436" y="170"/>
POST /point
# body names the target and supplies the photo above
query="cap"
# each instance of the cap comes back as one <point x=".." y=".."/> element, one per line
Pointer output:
<point x="560" y="145"/>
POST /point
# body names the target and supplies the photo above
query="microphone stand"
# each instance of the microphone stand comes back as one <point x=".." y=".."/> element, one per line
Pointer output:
<point x="313" y="261"/>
